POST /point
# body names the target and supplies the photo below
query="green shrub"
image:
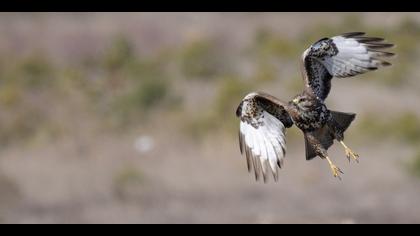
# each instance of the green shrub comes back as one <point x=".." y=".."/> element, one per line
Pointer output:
<point x="230" y="92"/>
<point x="413" y="166"/>
<point x="150" y="93"/>
<point x="21" y="123"/>
<point x="268" y="45"/>
<point x="404" y="127"/>
<point x="266" y="72"/>
<point x="136" y="102"/>
<point x="369" y="124"/>
<point x="202" y="60"/>
<point x="127" y="182"/>
<point x="34" y="71"/>
<point x="119" y="54"/>
<point x="11" y="94"/>
<point x="407" y="127"/>
<point x="221" y="115"/>
<point x="199" y="126"/>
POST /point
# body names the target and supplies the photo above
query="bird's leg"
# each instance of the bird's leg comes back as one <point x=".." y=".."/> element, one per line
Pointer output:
<point x="350" y="153"/>
<point x="336" y="171"/>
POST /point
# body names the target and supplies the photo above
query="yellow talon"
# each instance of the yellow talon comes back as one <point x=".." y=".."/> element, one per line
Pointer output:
<point x="336" y="171"/>
<point x="350" y="153"/>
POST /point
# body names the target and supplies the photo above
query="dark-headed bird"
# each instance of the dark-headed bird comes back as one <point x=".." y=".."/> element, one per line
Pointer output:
<point x="264" y="118"/>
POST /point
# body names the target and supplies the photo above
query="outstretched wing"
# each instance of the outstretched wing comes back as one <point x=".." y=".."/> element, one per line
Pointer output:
<point x="341" y="56"/>
<point x="262" y="133"/>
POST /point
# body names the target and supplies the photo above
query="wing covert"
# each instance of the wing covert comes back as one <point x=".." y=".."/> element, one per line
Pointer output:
<point x="342" y="56"/>
<point x="262" y="133"/>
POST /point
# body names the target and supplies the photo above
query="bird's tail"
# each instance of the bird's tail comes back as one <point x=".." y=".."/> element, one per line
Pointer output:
<point x="326" y="135"/>
<point x="343" y="119"/>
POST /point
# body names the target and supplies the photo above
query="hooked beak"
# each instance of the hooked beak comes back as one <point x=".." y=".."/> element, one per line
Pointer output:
<point x="295" y="101"/>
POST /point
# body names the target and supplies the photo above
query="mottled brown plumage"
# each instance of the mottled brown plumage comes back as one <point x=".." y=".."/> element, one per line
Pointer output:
<point x="264" y="118"/>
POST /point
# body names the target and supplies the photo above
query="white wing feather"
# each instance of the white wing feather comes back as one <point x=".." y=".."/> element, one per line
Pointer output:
<point x="266" y="143"/>
<point x="354" y="57"/>
<point x="342" y="56"/>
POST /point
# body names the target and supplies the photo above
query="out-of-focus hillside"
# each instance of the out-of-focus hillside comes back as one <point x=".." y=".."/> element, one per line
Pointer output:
<point x="129" y="118"/>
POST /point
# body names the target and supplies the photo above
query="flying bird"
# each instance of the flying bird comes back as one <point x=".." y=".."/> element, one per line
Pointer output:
<point x="265" y="118"/>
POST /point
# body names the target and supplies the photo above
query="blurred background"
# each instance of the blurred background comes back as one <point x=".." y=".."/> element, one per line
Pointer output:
<point x="130" y="118"/>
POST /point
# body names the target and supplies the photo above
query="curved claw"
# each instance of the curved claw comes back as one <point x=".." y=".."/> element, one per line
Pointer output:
<point x="335" y="170"/>
<point x="350" y="153"/>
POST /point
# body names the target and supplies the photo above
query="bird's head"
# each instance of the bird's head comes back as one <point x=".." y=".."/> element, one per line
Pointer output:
<point x="302" y="102"/>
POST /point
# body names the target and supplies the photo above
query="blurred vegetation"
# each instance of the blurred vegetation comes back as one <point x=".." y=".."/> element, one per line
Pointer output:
<point x="230" y="92"/>
<point x="35" y="72"/>
<point x="10" y="193"/>
<point x="269" y="44"/>
<point x="119" y="54"/>
<point x="119" y="86"/>
<point x="404" y="36"/>
<point x="128" y="182"/>
<point x="202" y="60"/>
<point x="404" y="127"/>
<point x="122" y="87"/>
<point x="221" y="115"/>
<point x="414" y="165"/>
<point x="166" y="88"/>
<point x="22" y="82"/>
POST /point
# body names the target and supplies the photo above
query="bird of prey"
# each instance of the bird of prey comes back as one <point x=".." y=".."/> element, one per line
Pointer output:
<point x="264" y="118"/>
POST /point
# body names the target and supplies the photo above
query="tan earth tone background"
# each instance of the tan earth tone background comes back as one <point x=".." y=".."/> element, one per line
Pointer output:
<point x="129" y="118"/>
